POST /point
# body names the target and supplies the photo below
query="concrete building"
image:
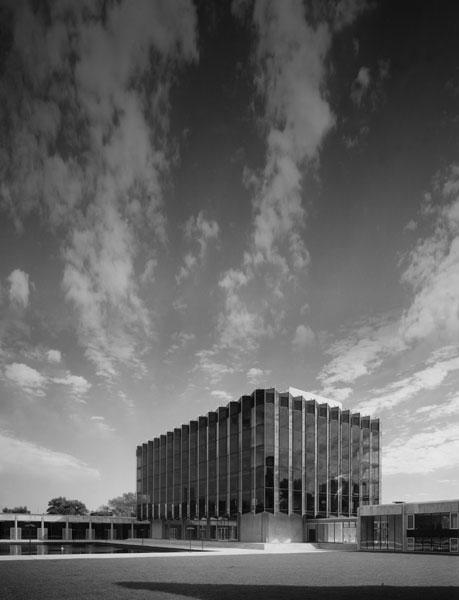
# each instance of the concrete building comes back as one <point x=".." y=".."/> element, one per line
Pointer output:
<point x="259" y="469"/>
<point x="409" y="527"/>
<point x="16" y="527"/>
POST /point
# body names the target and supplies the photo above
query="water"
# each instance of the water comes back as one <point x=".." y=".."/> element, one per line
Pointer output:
<point x="26" y="548"/>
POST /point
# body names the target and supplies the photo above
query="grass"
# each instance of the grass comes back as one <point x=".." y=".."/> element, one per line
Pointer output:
<point x="319" y="576"/>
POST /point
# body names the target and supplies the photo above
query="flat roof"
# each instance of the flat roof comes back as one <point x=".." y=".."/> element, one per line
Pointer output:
<point x="311" y="396"/>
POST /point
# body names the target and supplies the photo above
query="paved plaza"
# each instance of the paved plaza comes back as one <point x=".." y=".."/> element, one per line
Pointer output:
<point x="267" y="576"/>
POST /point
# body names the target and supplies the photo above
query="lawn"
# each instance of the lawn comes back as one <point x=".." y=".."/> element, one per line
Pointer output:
<point x="319" y="576"/>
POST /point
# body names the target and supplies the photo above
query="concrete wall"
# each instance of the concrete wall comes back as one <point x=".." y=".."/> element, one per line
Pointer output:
<point x="266" y="527"/>
<point x="157" y="529"/>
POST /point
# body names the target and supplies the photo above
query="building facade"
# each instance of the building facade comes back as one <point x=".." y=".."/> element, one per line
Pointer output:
<point x="289" y="456"/>
<point x="410" y="527"/>
<point x="16" y="527"/>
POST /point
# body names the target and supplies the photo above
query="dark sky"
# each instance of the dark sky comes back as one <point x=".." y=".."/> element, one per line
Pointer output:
<point x="199" y="199"/>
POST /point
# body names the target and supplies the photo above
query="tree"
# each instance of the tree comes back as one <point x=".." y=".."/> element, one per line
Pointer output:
<point x="122" y="506"/>
<point x="62" y="506"/>
<point x="20" y="510"/>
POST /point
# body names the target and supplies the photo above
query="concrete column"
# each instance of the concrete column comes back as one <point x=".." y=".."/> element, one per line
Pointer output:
<point x="16" y="529"/>
<point x="290" y="454"/>
<point x="112" y="531"/>
<point x="132" y="529"/>
<point x="276" y="452"/>
<point x="42" y="533"/>
<point x="303" y="459"/>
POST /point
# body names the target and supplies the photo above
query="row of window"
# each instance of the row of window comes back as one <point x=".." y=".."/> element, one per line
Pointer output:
<point x="432" y="521"/>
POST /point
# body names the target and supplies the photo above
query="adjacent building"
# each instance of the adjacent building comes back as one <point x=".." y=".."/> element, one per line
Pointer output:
<point x="44" y="527"/>
<point x="259" y="469"/>
<point x="410" y="527"/>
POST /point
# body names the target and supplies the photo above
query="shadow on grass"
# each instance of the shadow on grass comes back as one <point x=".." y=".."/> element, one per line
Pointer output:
<point x="289" y="592"/>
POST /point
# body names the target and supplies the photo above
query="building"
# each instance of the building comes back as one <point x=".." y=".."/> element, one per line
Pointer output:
<point x="259" y="469"/>
<point x="409" y="527"/>
<point x="16" y="527"/>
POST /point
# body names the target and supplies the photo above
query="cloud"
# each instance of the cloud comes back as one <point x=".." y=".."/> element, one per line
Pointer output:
<point x="290" y="60"/>
<point x="340" y="394"/>
<point x="101" y="427"/>
<point x="33" y="382"/>
<point x="221" y="395"/>
<point x="85" y="92"/>
<point x="38" y="461"/>
<point x="54" y="356"/>
<point x="256" y="376"/>
<point x="19" y="288"/>
<point x="361" y="352"/>
<point x="211" y="370"/>
<point x="360" y="85"/>
<point x="179" y="340"/>
<point x="238" y="325"/>
<point x="432" y="315"/>
<point x="304" y="337"/>
<point x="423" y="452"/>
<point x="433" y="271"/>
<point x="77" y="384"/>
<point x="200" y="232"/>
<point x="442" y="409"/>
<point x="411" y="225"/>
<point x="397" y="392"/>
<point x="27" y="378"/>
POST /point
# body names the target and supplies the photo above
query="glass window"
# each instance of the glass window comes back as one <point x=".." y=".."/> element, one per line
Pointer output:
<point x="445" y="521"/>
<point x="453" y="520"/>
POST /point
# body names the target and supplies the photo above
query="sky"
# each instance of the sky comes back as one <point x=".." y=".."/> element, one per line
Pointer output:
<point x="198" y="199"/>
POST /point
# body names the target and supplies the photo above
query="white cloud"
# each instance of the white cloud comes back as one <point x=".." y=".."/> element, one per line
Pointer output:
<point x="411" y="225"/>
<point x="200" y="229"/>
<point x="433" y="312"/>
<point x="221" y="395"/>
<point x="179" y="340"/>
<point x="38" y="461"/>
<point x="446" y="408"/>
<point x="290" y="57"/>
<point x="433" y="272"/>
<point x="304" y="337"/>
<point x="77" y="384"/>
<point x="340" y="394"/>
<point x="361" y="352"/>
<point x="211" y="370"/>
<point x="27" y="378"/>
<point x="360" y="85"/>
<point x="423" y="452"/>
<point x="54" y="356"/>
<point x="19" y="288"/>
<point x="200" y="232"/>
<point x="101" y="426"/>
<point x="429" y="378"/>
<point x="238" y="325"/>
<point x="257" y="376"/>
<point x="35" y="383"/>
<point x="109" y="205"/>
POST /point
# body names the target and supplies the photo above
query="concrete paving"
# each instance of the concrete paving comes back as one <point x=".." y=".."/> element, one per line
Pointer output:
<point x="250" y="576"/>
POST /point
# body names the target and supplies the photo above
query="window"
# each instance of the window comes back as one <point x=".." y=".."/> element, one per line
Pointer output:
<point x="445" y="521"/>
<point x="410" y="521"/>
<point x="453" y="520"/>
<point x="453" y="544"/>
<point x="410" y="544"/>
